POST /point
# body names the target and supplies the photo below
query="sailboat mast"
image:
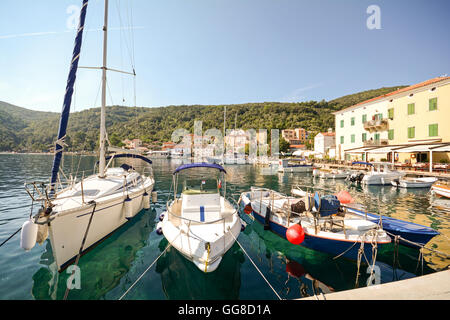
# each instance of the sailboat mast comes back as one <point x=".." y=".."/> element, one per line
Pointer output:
<point x="102" y="160"/>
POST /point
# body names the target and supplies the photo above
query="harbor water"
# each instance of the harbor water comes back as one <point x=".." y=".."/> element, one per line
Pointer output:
<point x="109" y="269"/>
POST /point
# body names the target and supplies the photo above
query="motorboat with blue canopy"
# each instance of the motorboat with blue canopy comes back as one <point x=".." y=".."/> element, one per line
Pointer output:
<point x="199" y="221"/>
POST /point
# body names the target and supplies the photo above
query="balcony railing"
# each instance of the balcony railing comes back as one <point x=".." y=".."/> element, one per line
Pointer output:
<point x="376" y="143"/>
<point x="376" y="125"/>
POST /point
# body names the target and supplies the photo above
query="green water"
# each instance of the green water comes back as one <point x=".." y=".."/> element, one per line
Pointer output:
<point x="109" y="269"/>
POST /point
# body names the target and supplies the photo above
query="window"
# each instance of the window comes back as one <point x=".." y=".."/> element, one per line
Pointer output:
<point x="352" y="138"/>
<point x="342" y="123"/>
<point x="364" y="118"/>
<point x="353" y="121"/>
<point x="377" y="137"/>
<point x="391" y="113"/>
<point x="411" y="108"/>
<point x="379" y="116"/>
<point x="411" y="132"/>
<point x="391" y="134"/>
<point x="432" y="104"/>
<point x="364" y="137"/>
<point x="342" y="139"/>
<point x="433" y="130"/>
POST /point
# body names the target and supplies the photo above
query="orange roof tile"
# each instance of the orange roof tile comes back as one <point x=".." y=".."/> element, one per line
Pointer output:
<point x="414" y="86"/>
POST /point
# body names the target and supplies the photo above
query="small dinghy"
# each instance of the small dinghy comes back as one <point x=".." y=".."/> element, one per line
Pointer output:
<point x="201" y="223"/>
<point x="314" y="222"/>
<point x="414" y="235"/>
<point x="331" y="174"/>
<point x="406" y="182"/>
<point x="441" y="189"/>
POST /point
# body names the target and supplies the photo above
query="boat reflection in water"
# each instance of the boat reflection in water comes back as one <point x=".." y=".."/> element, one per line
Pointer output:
<point x="182" y="280"/>
<point x="102" y="268"/>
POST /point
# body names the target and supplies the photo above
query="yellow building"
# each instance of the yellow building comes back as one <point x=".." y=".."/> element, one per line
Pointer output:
<point x="407" y="125"/>
<point x="421" y="114"/>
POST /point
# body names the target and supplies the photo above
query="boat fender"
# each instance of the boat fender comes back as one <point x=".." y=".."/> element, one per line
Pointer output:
<point x="146" y="200"/>
<point x="128" y="208"/>
<point x="159" y="229"/>
<point x="161" y="217"/>
<point x="295" y="234"/>
<point x="28" y="235"/>
<point x="267" y="219"/>
<point x="248" y="209"/>
<point x="154" y="196"/>
<point x="242" y="228"/>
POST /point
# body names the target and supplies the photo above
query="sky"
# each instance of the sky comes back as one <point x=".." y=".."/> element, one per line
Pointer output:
<point x="220" y="51"/>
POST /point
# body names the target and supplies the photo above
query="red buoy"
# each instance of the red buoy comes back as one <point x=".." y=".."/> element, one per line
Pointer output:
<point x="248" y="209"/>
<point x="344" y="197"/>
<point x="295" y="234"/>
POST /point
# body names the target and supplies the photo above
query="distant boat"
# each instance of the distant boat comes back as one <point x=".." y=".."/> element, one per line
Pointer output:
<point x="414" y="182"/>
<point x="381" y="177"/>
<point x="294" y="165"/>
<point x="201" y="223"/>
<point x="158" y="154"/>
<point x="331" y="173"/>
<point x="322" y="232"/>
<point x="441" y="189"/>
<point x="79" y="215"/>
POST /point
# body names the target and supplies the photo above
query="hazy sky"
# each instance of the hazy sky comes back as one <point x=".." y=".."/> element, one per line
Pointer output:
<point x="220" y="51"/>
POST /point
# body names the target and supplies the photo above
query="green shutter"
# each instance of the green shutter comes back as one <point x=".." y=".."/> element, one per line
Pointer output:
<point x="391" y="134"/>
<point x="353" y="121"/>
<point x="342" y="123"/>
<point x="391" y="113"/>
<point x="411" y="108"/>
<point x="433" y="130"/>
<point x="411" y="132"/>
<point x="342" y="139"/>
<point x="377" y="137"/>
<point x="352" y="137"/>
<point x="432" y="104"/>
<point x="364" y="137"/>
<point x="364" y="118"/>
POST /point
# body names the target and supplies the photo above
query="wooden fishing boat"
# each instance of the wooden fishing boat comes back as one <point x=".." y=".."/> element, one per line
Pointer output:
<point x="411" y="234"/>
<point x="323" y="230"/>
<point x="441" y="189"/>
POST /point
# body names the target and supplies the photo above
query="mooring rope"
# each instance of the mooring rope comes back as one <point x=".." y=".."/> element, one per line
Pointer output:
<point x="262" y="275"/>
<point x="137" y="280"/>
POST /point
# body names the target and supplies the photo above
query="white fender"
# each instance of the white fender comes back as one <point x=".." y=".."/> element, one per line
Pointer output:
<point x="28" y="235"/>
<point x="146" y="201"/>
<point x="128" y="208"/>
<point x="154" y="196"/>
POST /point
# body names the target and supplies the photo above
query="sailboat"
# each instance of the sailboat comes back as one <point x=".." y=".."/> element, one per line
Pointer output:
<point x="78" y="216"/>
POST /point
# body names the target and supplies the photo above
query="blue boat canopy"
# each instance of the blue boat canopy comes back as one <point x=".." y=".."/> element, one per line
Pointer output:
<point x="362" y="162"/>
<point x="129" y="155"/>
<point x="199" y="165"/>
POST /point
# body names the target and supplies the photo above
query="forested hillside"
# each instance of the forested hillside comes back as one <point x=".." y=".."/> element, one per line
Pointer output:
<point x="26" y="130"/>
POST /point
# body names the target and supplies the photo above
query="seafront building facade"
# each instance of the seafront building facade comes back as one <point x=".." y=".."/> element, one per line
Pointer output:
<point x="381" y="128"/>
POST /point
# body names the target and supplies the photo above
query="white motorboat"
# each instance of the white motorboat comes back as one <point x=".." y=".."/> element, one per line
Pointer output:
<point x="331" y="173"/>
<point x="294" y="165"/>
<point x="381" y="175"/>
<point x="78" y="215"/>
<point x="406" y="182"/>
<point x="201" y="223"/>
<point x="441" y="189"/>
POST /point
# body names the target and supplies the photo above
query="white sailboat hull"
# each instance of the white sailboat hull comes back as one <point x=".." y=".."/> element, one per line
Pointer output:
<point x="68" y="227"/>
